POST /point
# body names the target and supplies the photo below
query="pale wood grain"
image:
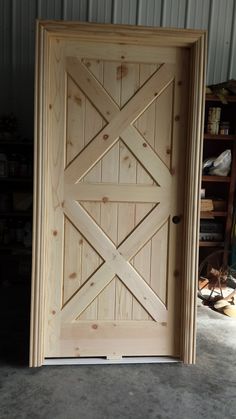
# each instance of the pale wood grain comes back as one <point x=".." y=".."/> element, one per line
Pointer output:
<point x="109" y="135"/>
<point x="50" y="335"/>
<point x="110" y="173"/>
<point x="76" y="105"/>
<point x="114" y="259"/>
<point x="93" y="124"/>
<point x="106" y="192"/>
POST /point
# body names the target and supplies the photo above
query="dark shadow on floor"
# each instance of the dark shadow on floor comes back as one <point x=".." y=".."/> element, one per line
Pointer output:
<point x="15" y="323"/>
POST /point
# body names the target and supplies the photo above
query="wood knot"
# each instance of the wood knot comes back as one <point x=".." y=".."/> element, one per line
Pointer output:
<point x="81" y="241"/>
<point x="78" y="100"/>
<point x="144" y="144"/>
<point x="54" y="232"/>
<point x="108" y="113"/>
<point x="88" y="64"/>
<point x="105" y="136"/>
<point x="168" y="150"/>
<point x="121" y="72"/>
<point x="176" y="273"/>
<point x="177" y="118"/>
<point x="155" y="94"/>
<point x="122" y="57"/>
<point x="94" y="326"/>
<point x="164" y="324"/>
<point x="180" y="83"/>
<point x="73" y="275"/>
<point x="105" y="199"/>
<point x="92" y="284"/>
<point x="50" y="106"/>
<point x="53" y="312"/>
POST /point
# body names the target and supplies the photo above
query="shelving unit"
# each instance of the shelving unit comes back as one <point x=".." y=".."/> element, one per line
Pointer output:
<point x="220" y="187"/>
<point x="225" y="179"/>
<point x="211" y="244"/>
<point x="16" y="190"/>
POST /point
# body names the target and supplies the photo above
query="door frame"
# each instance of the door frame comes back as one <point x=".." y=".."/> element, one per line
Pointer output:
<point x="195" y="41"/>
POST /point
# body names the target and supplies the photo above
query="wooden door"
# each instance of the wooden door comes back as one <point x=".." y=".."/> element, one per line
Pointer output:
<point x="114" y="191"/>
<point x="116" y="142"/>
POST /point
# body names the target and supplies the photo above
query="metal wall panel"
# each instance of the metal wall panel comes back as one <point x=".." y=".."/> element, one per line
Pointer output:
<point x="150" y="12"/>
<point x="232" y="51"/>
<point x="100" y="11"/>
<point x="220" y="27"/>
<point x="173" y="14"/>
<point x="22" y="48"/>
<point x="48" y="9"/>
<point x="17" y="35"/>
<point x="75" y="10"/>
<point x="5" y="56"/>
<point x="197" y="14"/>
<point x="125" y="11"/>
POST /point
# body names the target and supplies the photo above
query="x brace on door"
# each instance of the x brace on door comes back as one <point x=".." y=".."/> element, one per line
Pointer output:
<point x="119" y="125"/>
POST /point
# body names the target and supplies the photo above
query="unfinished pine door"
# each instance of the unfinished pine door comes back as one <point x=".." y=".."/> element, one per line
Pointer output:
<point x="116" y="144"/>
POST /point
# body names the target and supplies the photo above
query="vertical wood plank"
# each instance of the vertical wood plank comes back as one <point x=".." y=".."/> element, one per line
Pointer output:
<point x="159" y="273"/>
<point x="142" y="261"/>
<point x="129" y="74"/>
<point x="55" y="145"/>
<point x="76" y="103"/>
<point x="110" y="174"/>
<point x="163" y="125"/>
<point x="146" y="122"/>
<point x="178" y="169"/>
<point x="93" y="124"/>
<point x="73" y="261"/>
<point x="146" y="126"/>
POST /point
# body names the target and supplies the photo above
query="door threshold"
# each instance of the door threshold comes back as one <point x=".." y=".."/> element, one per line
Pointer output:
<point x="105" y="361"/>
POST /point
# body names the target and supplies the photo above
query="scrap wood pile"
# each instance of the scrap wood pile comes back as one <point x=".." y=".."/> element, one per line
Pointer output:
<point x="222" y="90"/>
<point x="225" y="305"/>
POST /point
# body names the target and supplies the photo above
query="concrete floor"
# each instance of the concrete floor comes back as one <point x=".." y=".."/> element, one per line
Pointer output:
<point x="160" y="391"/>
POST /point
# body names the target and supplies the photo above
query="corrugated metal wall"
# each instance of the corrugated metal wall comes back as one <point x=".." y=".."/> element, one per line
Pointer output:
<point x="17" y="30"/>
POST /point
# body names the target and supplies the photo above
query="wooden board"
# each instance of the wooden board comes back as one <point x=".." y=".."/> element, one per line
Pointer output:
<point x="113" y="181"/>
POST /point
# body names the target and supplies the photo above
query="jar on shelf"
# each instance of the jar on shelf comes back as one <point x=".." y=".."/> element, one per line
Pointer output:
<point x="224" y="128"/>
<point x="213" y="120"/>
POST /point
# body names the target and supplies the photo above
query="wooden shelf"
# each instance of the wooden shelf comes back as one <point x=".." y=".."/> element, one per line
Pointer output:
<point x="215" y="98"/>
<point x="209" y="214"/>
<point x="219" y="137"/>
<point x="210" y="244"/>
<point x="214" y="178"/>
<point x="222" y="187"/>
